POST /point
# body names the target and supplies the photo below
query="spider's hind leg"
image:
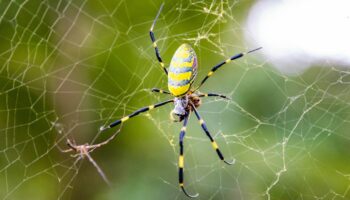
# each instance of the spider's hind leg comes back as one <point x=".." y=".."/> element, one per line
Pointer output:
<point x="214" y="95"/>
<point x="216" y="67"/>
<point x="157" y="90"/>
<point x="153" y="38"/>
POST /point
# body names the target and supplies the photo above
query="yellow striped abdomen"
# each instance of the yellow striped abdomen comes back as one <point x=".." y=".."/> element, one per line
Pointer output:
<point x="182" y="70"/>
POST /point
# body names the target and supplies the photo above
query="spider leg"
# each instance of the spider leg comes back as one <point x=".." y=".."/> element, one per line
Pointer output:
<point x="71" y="145"/>
<point x="160" y="91"/>
<point x="65" y="150"/>
<point x="213" y="95"/>
<point x="137" y="112"/>
<point x="181" y="159"/>
<point x="213" y="143"/>
<point x="211" y="72"/>
<point x="154" y="41"/>
<point x="99" y="170"/>
<point x="94" y="146"/>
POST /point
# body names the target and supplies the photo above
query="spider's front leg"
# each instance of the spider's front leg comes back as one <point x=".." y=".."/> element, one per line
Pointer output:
<point x="213" y="143"/>
<point x="181" y="158"/>
<point x="137" y="112"/>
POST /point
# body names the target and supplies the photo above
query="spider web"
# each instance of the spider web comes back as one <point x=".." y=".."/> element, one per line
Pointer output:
<point x="69" y="67"/>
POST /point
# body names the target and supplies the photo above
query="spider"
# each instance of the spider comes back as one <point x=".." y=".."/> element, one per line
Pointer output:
<point x="84" y="150"/>
<point x="181" y="74"/>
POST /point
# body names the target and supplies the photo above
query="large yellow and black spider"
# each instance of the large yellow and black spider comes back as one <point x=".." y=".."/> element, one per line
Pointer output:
<point x="181" y="74"/>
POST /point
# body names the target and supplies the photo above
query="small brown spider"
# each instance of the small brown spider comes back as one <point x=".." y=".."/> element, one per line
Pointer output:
<point x="84" y="150"/>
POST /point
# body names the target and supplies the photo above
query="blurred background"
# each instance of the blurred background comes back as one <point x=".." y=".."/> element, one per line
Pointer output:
<point x="69" y="67"/>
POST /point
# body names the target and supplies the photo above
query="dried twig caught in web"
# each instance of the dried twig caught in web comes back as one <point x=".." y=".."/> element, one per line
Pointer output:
<point x="82" y="151"/>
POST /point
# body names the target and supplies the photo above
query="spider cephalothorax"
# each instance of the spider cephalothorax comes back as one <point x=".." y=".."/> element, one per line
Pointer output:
<point x="183" y="106"/>
<point x="181" y="74"/>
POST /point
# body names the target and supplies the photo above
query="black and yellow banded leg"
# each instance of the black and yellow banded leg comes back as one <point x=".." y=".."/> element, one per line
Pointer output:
<point x="154" y="41"/>
<point x="137" y="112"/>
<point x="160" y="91"/>
<point x="213" y="143"/>
<point x="181" y="159"/>
<point x="216" y="67"/>
<point x="213" y="95"/>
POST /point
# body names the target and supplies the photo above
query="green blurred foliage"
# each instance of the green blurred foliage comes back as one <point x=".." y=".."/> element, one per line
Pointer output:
<point x="68" y="67"/>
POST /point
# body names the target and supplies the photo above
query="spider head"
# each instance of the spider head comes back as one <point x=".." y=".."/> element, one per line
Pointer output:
<point x="179" y="112"/>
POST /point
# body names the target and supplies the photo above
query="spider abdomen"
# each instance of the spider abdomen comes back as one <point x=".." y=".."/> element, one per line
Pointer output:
<point x="182" y="70"/>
